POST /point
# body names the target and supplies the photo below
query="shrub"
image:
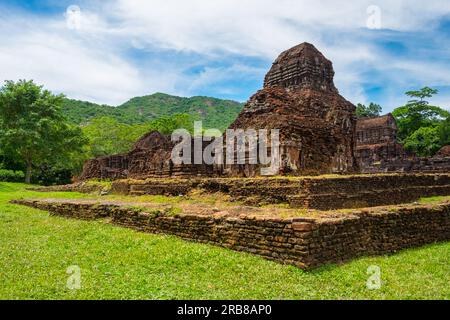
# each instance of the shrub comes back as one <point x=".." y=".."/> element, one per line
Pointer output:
<point x="11" y="176"/>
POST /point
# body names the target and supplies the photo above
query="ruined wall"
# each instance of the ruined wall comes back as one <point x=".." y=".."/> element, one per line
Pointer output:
<point x="378" y="151"/>
<point x="376" y="130"/>
<point x="111" y="167"/>
<point x="149" y="158"/>
<point x="322" y="193"/>
<point x="312" y="193"/>
<point x="303" y="242"/>
<point x="368" y="191"/>
<point x="377" y="141"/>
<point x="413" y="165"/>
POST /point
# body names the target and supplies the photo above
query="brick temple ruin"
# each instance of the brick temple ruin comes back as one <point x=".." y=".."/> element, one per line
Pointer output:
<point x="378" y="150"/>
<point x="377" y="141"/>
<point x="317" y="127"/>
<point x="316" y="124"/>
<point x="444" y="152"/>
<point x="319" y="133"/>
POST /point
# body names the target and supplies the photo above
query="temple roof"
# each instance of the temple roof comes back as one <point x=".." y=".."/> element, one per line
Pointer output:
<point x="153" y="140"/>
<point x="302" y="66"/>
<point x="368" y="123"/>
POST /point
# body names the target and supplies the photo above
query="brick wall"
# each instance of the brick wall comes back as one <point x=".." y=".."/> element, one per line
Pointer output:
<point x="323" y="193"/>
<point x="303" y="242"/>
<point x="315" y="193"/>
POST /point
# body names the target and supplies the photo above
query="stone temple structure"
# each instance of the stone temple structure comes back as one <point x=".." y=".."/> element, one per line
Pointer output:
<point x="376" y="140"/>
<point x="150" y="157"/>
<point x="316" y="125"/>
<point x="378" y="150"/>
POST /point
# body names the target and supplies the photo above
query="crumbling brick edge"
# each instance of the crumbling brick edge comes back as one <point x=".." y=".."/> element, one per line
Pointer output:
<point x="304" y="242"/>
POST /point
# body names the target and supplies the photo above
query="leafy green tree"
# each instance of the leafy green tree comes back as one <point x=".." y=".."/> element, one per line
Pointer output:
<point x="444" y="132"/>
<point x="169" y="124"/>
<point x="33" y="128"/>
<point x="371" y="111"/>
<point x="108" y="136"/>
<point x="421" y="94"/>
<point x="424" y="141"/>
<point x="418" y="113"/>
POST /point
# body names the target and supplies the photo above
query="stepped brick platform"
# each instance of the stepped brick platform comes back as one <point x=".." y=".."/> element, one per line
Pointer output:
<point x="307" y="241"/>
<point x="322" y="193"/>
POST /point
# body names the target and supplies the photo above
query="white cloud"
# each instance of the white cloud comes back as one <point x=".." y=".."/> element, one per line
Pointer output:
<point x="51" y="54"/>
<point x="91" y="63"/>
<point x="261" y="27"/>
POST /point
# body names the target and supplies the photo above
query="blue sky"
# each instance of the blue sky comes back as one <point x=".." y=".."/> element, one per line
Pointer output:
<point x="110" y="51"/>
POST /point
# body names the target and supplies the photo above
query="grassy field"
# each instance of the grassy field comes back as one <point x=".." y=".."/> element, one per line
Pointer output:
<point x="116" y="263"/>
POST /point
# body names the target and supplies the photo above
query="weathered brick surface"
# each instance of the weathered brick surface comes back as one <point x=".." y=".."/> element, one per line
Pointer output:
<point x="324" y="193"/>
<point x="423" y="165"/>
<point x="314" y="193"/>
<point x="444" y="152"/>
<point x="378" y="150"/>
<point x="317" y="125"/>
<point x="303" y="242"/>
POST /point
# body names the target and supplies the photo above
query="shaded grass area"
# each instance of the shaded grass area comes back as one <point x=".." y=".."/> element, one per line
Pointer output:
<point x="118" y="263"/>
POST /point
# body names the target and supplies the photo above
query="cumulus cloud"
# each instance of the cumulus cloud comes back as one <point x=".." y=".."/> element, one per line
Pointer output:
<point x="125" y="48"/>
<point x="49" y="53"/>
<point x="261" y="27"/>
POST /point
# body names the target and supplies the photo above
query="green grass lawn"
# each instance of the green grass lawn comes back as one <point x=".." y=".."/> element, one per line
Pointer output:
<point x="118" y="263"/>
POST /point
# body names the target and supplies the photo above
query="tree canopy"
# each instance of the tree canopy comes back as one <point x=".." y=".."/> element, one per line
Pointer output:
<point x="33" y="128"/>
<point x="423" y="128"/>
<point x="215" y="113"/>
<point x="108" y="136"/>
<point x="370" y="111"/>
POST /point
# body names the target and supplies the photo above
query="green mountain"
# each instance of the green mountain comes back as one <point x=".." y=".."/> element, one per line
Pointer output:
<point x="215" y="113"/>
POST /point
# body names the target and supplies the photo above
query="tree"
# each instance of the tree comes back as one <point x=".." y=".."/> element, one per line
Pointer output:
<point x="444" y="132"/>
<point x="423" y="93"/>
<point x="167" y="125"/>
<point x="417" y="113"/>
<point x="424" y="142"/>
<point x="108" y="136"/>
<point x="371" y="111"/>
<point x="33" y="128"/>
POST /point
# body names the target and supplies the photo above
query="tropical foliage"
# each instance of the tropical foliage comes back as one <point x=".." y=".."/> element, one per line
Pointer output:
<point x="422" y="127"/>
<point x="370" y="111"/>
<point x="11" y="176"/>
<point x="215" y="113"/>
<point x="108" y="136"/>
<point x="33" y="129"/>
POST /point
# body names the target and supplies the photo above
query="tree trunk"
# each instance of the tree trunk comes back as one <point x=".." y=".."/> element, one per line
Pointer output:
<point x="28" y="173"/>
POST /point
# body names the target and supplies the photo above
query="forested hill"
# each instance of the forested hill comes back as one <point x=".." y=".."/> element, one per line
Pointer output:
<point x="215" y="113"/>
